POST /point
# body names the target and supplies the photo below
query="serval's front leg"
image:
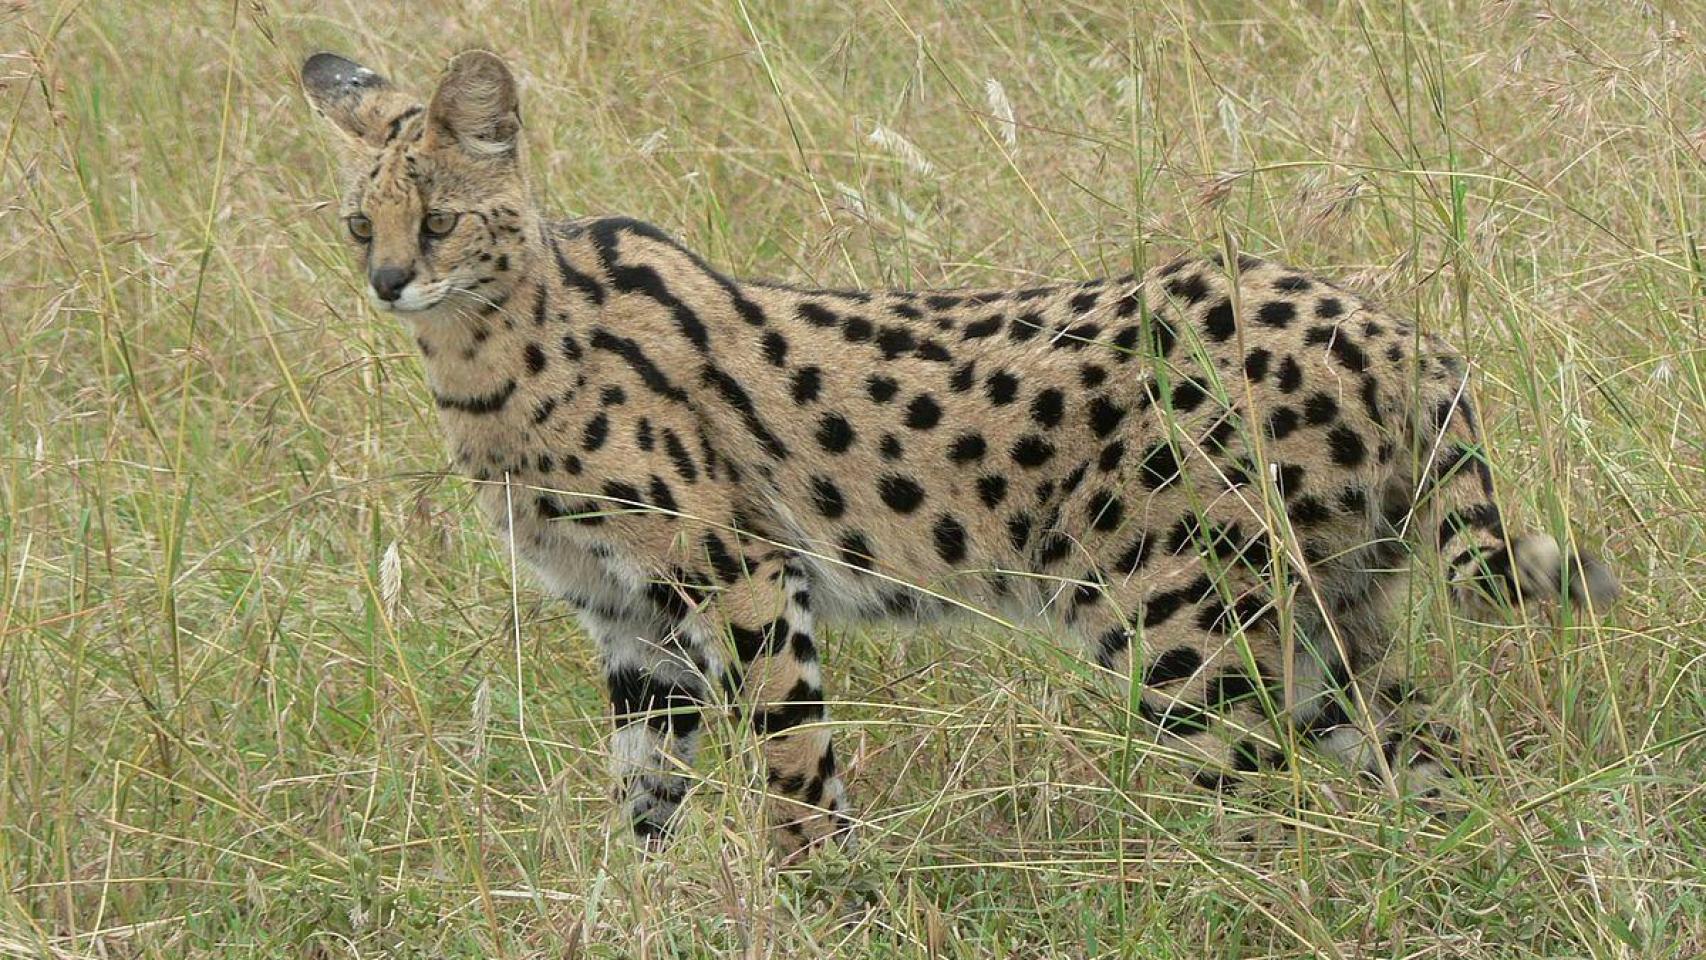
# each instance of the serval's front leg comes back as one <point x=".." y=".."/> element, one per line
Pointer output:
<point x="658" y="692"/>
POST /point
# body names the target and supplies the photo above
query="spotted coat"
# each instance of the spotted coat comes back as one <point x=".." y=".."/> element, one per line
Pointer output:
<point x="1153" y="467"/>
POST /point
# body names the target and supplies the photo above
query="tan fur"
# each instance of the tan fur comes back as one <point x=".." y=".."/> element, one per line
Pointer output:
<point x="704" y="466"/>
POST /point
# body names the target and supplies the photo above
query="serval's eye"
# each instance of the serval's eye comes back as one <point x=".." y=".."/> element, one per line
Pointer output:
<point x="360" y="227"/>
<point x="439" y="222"/>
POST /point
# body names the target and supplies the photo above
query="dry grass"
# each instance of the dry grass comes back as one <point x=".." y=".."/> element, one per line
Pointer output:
<point x="267" y="689"/>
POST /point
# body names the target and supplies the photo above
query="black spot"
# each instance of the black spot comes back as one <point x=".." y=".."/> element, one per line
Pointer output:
<point x="1002" y="387"/>
<point x="1074" y="478"/>
<point x="977" y="329"/>
<point x="627" y="493"/>
<point x="1125" y="343"/>
<point x="816" y="314"/>
<point x="1288" y="478"/>
<point x="890" y="447"/>
<point x="1184" y="533"/>
<point x="856" y="550"/>
<point x="1320" y="410"/>
<point x="1019" y="531"/>
<point x="1162" y="336"/>
<point x="483" y="405"/>
<point x="1083" y="302"/>
<point x="895" y="341"/>
<point x="1160" y="466"/>
<point x="1246" y="263"/>
<point x="1292" y="282"/>
<point x="1329" y="307"/>
<point x="535" y="357"/>
<point x="1353" y="500"/>
<point x="1111" y="644"/>
<point x="966" y="448"/>
<point x="775" y="348"/>
<point x="1105" y="415"/>
<point x="1161" y="606"/>
<point x="1053" y="548"/>
<point x="991" y="489"/>
<point x="1290" y="375"/>
<point x="943" y="301"/>
<point x="1111" y="456"/>
<point x="1219" y="323"/>
<point x="902" y="494"/>
<point x="929" y="349"/>
<point x="1188" y="394"/>
<point x="643" y="436"/>
<point x="1282" y="422"/>
<point x="1134" y="557"/>
<point x="1347" y="447"/>
<point x="1032" y="451"/>
<point x="1024" y="327"/>
<point x="680" y="457"/>
<point x="834" y="433"/>
<point x="803" y="704"/>
<point x="1256" y="365"/>
<point x="595" y="432"/>
<point x="1217" y="438"/>
<point x="1189" y="288"/>
<point x="808" y="383"/>
<point x="1308" y="511"/>
<point x="950" y="538"/>
<point x="923" y="412"/>
<point x="1339" y="344"/>
<point x="661" y="495"/>
<point x="856" y="330"/>
<point x="1229" y="688"/>
<point x="1047" y="407"/>
<point x="963" y="377"/>
<point x="1105" y="510"/>
<point x="1077" y="337"/>
<point x="1092" y="376"/>
<point x="1173" y="665"/>
<point x="1370" y="394"/>
<point x="826" y="497"/>
<point x="881" y="389"/>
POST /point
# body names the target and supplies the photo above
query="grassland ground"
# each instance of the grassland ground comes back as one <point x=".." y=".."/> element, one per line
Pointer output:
<point x="267" y="688"/>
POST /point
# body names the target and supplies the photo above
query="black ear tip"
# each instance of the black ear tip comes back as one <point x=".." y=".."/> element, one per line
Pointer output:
<point x="330" y="73"/>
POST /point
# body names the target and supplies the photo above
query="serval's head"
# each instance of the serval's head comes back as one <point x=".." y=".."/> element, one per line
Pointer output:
<point x="434" y="197"/>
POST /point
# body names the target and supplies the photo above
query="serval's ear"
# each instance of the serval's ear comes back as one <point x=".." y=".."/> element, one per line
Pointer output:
<point x="476" y="106"/>
<point x="359" y="101"/>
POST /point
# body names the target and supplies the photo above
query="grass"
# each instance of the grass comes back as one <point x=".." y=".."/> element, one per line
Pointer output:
<point x="267" y="688"/>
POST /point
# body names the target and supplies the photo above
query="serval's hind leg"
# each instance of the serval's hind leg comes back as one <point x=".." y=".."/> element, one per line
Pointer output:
<point x="767" y="620"/>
